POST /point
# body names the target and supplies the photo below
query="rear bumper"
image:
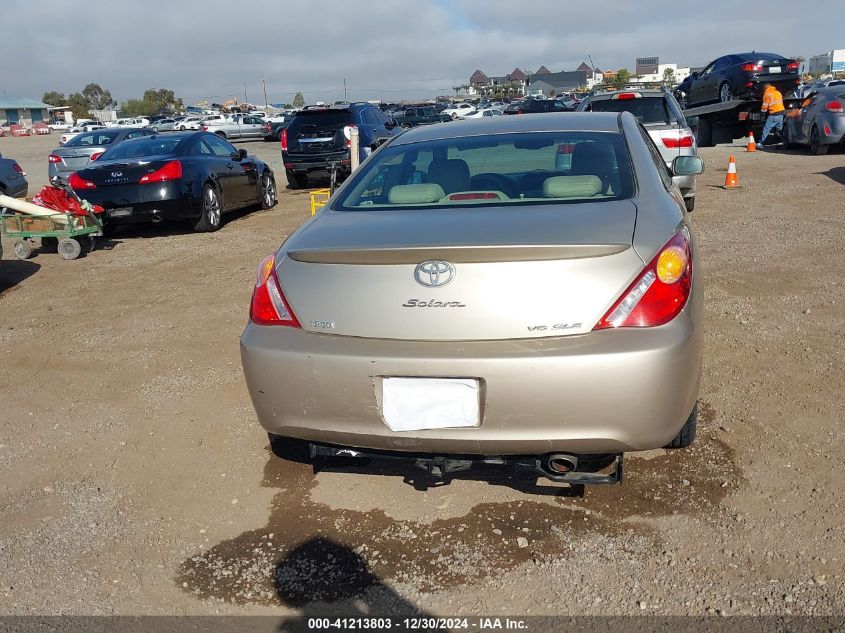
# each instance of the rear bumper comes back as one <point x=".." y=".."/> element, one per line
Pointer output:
<point x="604" y="392"/>
<point x="304" y="163"/>
<point x="147" y="203"/>
<point x="17" y="188"/>
<point x="832" y="129"/>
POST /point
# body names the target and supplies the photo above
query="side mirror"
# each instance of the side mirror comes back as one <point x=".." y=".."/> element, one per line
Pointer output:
<point x="390" y="124"/>
<point x="687" y="166"/>
<point x="242" y="154"/>
<point x="694" y="75"/>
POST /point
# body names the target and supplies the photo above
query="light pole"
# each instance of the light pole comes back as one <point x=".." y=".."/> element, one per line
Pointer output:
<point x="264" y="83"/>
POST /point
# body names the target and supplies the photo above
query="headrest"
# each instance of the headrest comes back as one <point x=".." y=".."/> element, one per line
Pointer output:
<point x="571" y="186"/>
<point x="415" y="194"/>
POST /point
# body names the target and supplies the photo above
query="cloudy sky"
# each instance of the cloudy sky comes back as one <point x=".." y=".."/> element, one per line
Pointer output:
<point x="212" y="49"/>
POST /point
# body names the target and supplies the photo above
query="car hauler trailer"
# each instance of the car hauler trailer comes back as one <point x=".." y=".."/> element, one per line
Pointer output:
<point x="723" y="122"/>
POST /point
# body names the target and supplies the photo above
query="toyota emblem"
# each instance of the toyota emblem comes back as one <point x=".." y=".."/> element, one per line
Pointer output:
<point x="434" y="273"/>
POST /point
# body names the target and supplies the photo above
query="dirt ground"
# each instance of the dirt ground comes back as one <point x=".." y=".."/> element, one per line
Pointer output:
<point x="134" y="478"/>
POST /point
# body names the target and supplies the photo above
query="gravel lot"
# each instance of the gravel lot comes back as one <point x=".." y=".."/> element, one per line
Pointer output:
<point x="134" y="478"/>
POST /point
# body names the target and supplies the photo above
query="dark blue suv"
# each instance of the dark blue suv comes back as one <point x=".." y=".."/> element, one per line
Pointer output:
<point x="317" y="136"/>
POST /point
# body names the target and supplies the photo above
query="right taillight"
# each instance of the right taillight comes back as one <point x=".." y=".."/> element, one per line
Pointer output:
<point x="678" y="141"/>
<point x="659" y="293"/>
<point x="77" y="182"/>
<point x="269" y="306"/>
<point x="284" y="140"/>
<point x="834" y="106"/>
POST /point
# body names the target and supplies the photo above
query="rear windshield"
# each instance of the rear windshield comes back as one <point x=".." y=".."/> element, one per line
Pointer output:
<point x="504" y="169"/>
<point x="648" y="110"/>
<point x="154" y="146"/>
<point x="89" y="139"/>
<point x="322" y="119"/>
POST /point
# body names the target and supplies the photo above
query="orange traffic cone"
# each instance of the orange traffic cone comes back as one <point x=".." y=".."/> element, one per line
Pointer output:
<point x="752" y="146"/>
<point x="732" y="179"/>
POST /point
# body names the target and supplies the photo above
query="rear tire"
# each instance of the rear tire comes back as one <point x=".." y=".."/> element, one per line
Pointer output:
<point x="297" y="180"/>
<point x="49" y="244"/>
<point x="686" y="436"/>
<point x="212" y="211"/>
<point x="786" y="137"/>
<point x="690" y="204"/>
<point x="817" y="148"/>
<point x="725" y="93"/>
<point x="704" y="133"/>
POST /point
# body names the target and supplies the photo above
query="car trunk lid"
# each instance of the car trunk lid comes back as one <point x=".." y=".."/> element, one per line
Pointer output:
<point x="550" y="270"/>
<point x="122" y="172"/>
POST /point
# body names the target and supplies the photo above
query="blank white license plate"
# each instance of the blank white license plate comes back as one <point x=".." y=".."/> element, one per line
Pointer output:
<point x="774" y="69"/>
<point x="120" y="212"/>
<point x="416" y="404"/>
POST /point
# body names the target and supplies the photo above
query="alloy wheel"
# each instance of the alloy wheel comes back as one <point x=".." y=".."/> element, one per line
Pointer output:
<point x="269" y="192"/>
<point x="725" y="94"/>
<point x="212" y="206"/>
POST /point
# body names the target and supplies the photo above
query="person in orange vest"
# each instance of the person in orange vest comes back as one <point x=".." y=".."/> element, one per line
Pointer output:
<point x="773" y="110"/>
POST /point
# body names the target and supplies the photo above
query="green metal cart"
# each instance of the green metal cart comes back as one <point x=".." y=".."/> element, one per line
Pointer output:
<point x="69" y="235"/>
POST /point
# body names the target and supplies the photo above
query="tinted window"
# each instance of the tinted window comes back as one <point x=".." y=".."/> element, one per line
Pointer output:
<point x="218" y="146"/>
<point x="504" y="169"/>
<point x="368" y="116"/>
<point x="648" y="110"/>
<point x="151" y="146"/>
<point x="328" y="119"/>
<point x="92" y="138"/>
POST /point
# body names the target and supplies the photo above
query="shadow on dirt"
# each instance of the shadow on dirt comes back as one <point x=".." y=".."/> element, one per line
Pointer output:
<point x="13" y="272"/>
<point x="321" y="576"/>
<point x="491" y="538"/>
<point x="836" y="174"/>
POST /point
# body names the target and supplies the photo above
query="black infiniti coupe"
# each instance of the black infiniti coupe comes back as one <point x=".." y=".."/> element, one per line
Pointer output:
<point x="194" y="176"/>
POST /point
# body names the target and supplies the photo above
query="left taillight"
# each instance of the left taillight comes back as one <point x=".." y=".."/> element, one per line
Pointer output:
<point x="169" y="171"/>
<point x="77" y="182"/>
<point x="752" y="68"/>
<point x="52" y="158"/>
<point x="660" y="291"/>
<point x="269" y="306"/>
<point x="678" y="141"/>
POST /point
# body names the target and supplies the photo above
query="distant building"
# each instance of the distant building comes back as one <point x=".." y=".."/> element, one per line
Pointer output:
<point x="553" y="84"/>
<point x="646" y="65"/>
<point x="831" y="62"/>
<point x="679" y="73"/>
<point x="24" y="112"/>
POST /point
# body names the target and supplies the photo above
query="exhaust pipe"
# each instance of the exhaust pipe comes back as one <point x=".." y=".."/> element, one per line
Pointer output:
<point x="561" y="463"/>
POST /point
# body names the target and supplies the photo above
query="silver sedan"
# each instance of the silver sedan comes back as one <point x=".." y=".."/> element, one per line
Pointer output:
<point x="465" y="296"/>
<point x="87" y="146"/>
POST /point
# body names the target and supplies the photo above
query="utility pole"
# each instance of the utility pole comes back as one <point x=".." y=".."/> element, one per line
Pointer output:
<point x="245" y="99"/>
<point x="264" y="83"/>
<point x="345" y="90"/>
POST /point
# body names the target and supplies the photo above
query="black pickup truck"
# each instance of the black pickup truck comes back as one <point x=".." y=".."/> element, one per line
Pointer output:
<point x="419" y="115"/>
<point x="272" y="130"/>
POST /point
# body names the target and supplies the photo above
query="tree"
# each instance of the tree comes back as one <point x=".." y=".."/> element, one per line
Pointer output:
<point x="98" y="98"/>
<point x="162" y="100"/>
<point x="79" y="106"/>
<point x="669" y="77"/>
<point x="136" y="107"/>
<point x="623" y="76"/>
<point x="55" y="99"/>
<point x="298" y="101"/>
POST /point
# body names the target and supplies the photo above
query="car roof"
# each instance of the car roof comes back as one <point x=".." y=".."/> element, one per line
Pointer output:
<point x="644" y="93"/>
<point x="545" y="122"/>
<point x="180" y="135"/>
